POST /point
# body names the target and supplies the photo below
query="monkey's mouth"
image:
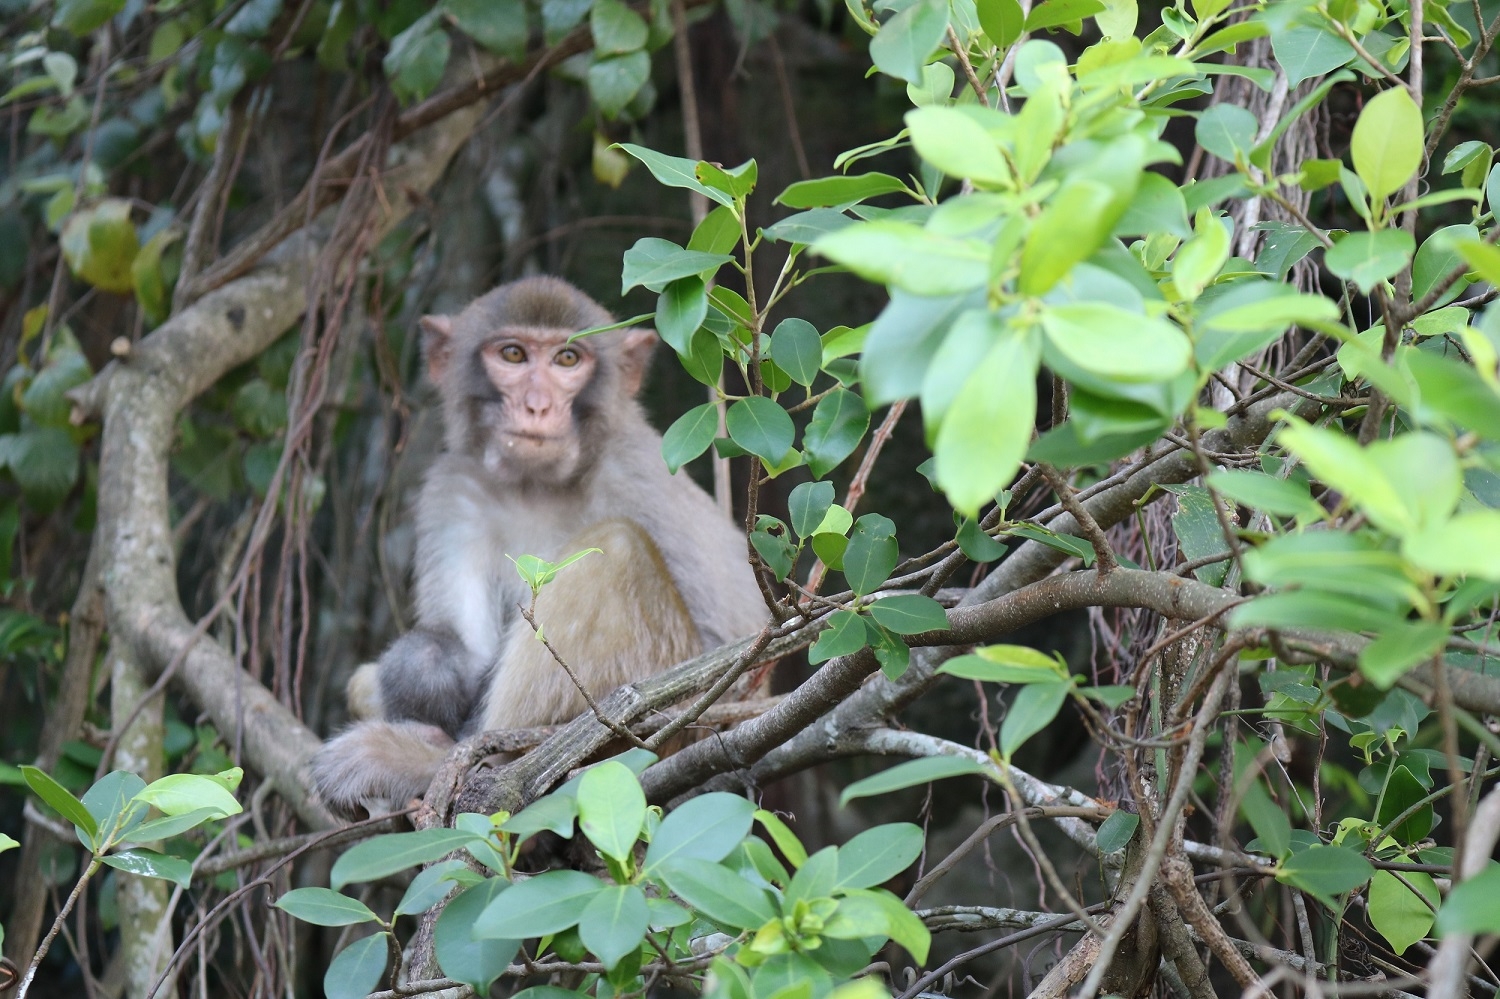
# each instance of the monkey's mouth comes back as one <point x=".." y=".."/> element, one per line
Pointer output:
<point x="531" y="438"/>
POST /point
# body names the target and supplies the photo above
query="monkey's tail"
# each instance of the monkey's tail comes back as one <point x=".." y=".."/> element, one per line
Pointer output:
<point x="378" y="766"/>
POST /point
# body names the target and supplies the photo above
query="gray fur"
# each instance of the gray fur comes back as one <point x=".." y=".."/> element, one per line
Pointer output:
<point x="470" y="517"/>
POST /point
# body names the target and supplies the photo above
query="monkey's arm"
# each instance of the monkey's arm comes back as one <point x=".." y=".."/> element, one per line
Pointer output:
<point x="427" y="675"/>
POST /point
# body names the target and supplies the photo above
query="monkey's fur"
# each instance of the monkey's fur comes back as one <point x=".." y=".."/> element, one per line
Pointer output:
<point x="545" y="456"/>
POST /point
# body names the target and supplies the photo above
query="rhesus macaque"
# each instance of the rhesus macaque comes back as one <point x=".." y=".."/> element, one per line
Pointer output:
<point x="547" y="453"/>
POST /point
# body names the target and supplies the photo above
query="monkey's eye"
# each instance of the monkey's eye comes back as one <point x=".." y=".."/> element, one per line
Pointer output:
<point x="510" y="352"/>
<point x="568" y="357"/>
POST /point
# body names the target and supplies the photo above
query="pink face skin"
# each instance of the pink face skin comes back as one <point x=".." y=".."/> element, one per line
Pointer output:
<point x="539" y="374"/>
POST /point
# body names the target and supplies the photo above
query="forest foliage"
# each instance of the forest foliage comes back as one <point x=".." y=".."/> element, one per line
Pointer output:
<point x="1196" y="307"/>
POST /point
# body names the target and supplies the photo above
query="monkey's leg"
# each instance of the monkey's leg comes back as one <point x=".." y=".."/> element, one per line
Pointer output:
<point x="378" y="766"/>
<point x="613" y="618"/>
<point x="427" y="675"/>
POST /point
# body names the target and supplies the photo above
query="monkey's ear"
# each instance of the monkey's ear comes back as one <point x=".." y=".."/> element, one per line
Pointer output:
<point x="437" y="344"/>
<point x="635" y="358"/>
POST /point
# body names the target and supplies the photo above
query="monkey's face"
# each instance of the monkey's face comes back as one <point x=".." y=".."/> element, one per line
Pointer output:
<point x="529" y="427"/>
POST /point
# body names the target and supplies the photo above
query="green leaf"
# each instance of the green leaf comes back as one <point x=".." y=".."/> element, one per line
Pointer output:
<point x="719" y="232"/>
<point x="910" y="614"/>
<point x="707" y="827"/>
<point x="876" y="855"/>
<point x="809" y="503"/>
<point x="1005" y="664"/>
<point x="1268" y="820"/>
<point x="1368" y="258"/>
<point x="1228" y="131"/>
<point x="498" y="25"/>
<point x="614" y="923"/>
<point x="890" y="651"/>
<point x="912" y="773"/>
<point x="815" y="879"/>
<point x="79" y="17"/>
<point x="1033" y="709"/>
<point x="952" y="140"/>
<point x="1305" y="52"/>
<point x="838" y="424"/>
<point x="808" y="227"/>
<point x="1199" y="260"/>
<point x="1387" y="143"/>
<point x="786" y="841"/>
<point x="872" y="553"/>
<point x="172" y="825"/>
<point x="1401" y="646"/>
<point x="614" y="81"/>
<point x="1002" y="20"/>
<point x="325" y="907"/>
<point x="680" y="310"/>
<point x="415" y="63"/>
<point x="357" y="969"/>
<point x="148" y="275"/>
<point x="761" y="427"/>
<point x="1403" y="791"/>
<point x="902" y="45"/>
<point x="616" y="28"/>
<point x="976" y="545"/>
<point x="611" y="808"/>
<point x="797" y="349"/>
<point x="908" y="257"/>
<point x="1068" y="231"/>
<point x="1397" y="912"/>
<point x="1468" y="544"/>
<point x="690" y="435"/>
<point x="844" y="636"/>
<point x="655" y="263"/>
<point x="1259" y="491"/>
<point x="986" y="429"/>
<point x="1465" y="153"/>
<point x="1106" y="340"/>
<point x="838" y="190"/>
<point x="902" y="925"/>
<point x="60" y="799"/>
<point x="675" y="171"/>
<point x="1309" y="609"/>
<point x="383" y="856"/>
<point x="1470" y="907"/>
<point x="718" y="893"/>
<point x="1116" y="831"/>
<point x="1344" y="465"/>
<point x="429" y="887"/>
<point x="100" y="244"/>
<point x="1436" y="258"/>
<point x="547" y="903"/>
<point x="475" y="961"/>
<point x="1325" y="871"/>
<point x="150" y="864"/>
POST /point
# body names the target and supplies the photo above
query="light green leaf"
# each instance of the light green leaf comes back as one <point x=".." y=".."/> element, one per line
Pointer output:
<point x="675" y="171"/>
<point x="614" y="923"/>
<point x="1387" y="142"/>
<point x="1470" y="907"/>
<point x="908" y="257"/>
<point x="1466" y="545"/>
<point x="707" y="827"/>
<point x="1397" y="912"/>
<point x="383" y="856"/>
<point x="910" y="614"/>
<point x="654" y="263"/>
<point x="958" y="145"/>
<point x="718" y="892"/>
<point x="1073" y="225"/>
<point x="690" y="435"/>
<point x="1325" y="871"/>
<point x="825" y="191"/>
<point x="876" y="855"/>
<point x="150" y="864"/>
<point x="986" y="430"/>
<point x="1033" y="709"/>
<point x="1107" y="340"/>
<point x="547" y="903"/>
<point x="611" y="808"/>
<point x="1368" y="258"/>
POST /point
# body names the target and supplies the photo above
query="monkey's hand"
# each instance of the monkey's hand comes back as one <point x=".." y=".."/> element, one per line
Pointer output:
<point x="377" y="766"/>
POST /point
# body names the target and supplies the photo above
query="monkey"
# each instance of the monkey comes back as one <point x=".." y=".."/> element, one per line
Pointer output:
<point x="547" y="452"/>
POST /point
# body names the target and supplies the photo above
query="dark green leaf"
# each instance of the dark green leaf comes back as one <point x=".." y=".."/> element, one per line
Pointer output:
<point x="614" y="923"/>
<point x="152" y="865"/>
<point x="876" y="855"/>
<point x="547" y="903"/>
<point x="655" y="263"/>
<point x="910" y="614"/>
<point x="475" y="961"/>
<point x="1116" y="831"/>
<point x="429" y="887"/>
<point x="761" y="427"/>
<point x="1325" y="871"/>
<point x="707" y="827"/>
<point x="844" y="636"/>
<point x="614" y="81"/>
<point x="674" y="171"/>
<point x="325" y="907"/>
<point x="1032" y="710"/>
<point x="839" y="422"/>
<point x="912" y="773"/>
<point x="690" y="435"/>
<point x="1402" y="791"/>
<point x="79" y="17"/>
<point x="872" y="553"/>
<point x="680" y="310"/>
<point x="417" y="58"/>
<point x="798" y="350"/>
<point x="385" y="855"/>
<point x="60" y="799"/>
<point x="718" y="893"/>
<point x="616" y="28"/>
<point x="809" y="504"/>
<point x="498" y="25"/>
<point x="357" y="969"/>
